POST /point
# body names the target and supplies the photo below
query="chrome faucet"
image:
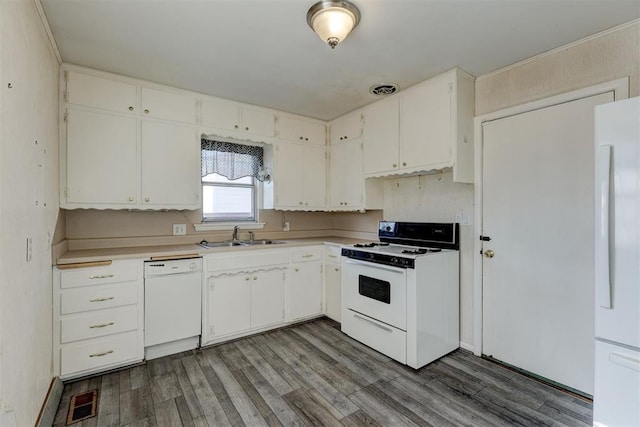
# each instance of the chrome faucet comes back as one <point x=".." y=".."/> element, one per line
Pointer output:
<point x="235" y="233"/>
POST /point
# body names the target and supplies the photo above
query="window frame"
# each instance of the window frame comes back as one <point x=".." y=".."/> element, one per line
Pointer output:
<point x="255" y="191"/>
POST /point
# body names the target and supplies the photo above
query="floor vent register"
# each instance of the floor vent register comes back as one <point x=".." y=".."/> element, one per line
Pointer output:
<point x="82" y="406"/>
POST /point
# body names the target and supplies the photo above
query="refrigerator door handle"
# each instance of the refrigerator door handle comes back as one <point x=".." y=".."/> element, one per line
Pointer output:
<point x="603" y="278"/>
<point x="624" y="360"/>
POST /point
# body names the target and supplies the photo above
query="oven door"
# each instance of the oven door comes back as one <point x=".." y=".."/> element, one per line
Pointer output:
<point x="378" y="291"/>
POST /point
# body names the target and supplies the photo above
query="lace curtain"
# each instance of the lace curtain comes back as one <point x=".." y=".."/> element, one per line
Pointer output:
<point x="231" y="160"/>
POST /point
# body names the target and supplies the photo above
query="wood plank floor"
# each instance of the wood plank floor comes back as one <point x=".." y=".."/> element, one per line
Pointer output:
<point x="312" y="374"/>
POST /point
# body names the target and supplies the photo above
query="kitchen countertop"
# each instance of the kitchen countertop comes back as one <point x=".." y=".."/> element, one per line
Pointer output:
<point x="146" y="252"/>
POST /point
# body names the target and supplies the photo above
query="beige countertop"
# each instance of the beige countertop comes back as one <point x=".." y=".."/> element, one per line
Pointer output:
<point x="167" y="251"/>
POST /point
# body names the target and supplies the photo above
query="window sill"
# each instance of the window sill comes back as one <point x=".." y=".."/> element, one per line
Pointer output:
<point x="216" y="226"/>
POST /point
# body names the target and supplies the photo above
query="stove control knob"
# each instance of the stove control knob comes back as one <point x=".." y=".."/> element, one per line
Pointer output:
<point x="370" y="256"/>
<point x="395" y="260"/>
<point x="388" y="228"/>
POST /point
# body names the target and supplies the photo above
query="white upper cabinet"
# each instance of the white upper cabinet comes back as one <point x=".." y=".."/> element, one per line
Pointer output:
<point x="346" y="127"/>
<point x="346" y="182"/>
<point x="170" y="166"/>
<point x="97" y="92"/>
<point x="169" y="106"/>
<point x="300" y="177"/>
<point x="425" y="123"/>
<point x="298" y="129"/>
<point x="101" y="159"/>
<point x="426" y="127"/>
<point x="381" y="135"/>
<point x="231" y="116"/>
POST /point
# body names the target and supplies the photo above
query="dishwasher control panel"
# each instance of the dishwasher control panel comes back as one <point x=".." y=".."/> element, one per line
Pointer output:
<point x="178" y="266"/>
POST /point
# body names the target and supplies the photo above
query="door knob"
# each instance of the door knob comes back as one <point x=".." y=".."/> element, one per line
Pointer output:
<point x="489" y="253"/>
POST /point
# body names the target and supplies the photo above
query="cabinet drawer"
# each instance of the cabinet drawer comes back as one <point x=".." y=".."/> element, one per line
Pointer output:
<point x="115" y="273"/>
<point x="95" y="324"/>
<point x="98" y="297"/>
<point x="99" y="353"/>
<point x="311" y="253"/>
<point x="332" y="253"/>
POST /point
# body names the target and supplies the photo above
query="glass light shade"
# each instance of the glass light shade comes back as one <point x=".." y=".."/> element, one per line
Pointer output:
<point x="333" y="20"/>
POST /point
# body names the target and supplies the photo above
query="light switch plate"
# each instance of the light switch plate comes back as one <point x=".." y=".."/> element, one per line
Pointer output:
<point x="179" y="229"/>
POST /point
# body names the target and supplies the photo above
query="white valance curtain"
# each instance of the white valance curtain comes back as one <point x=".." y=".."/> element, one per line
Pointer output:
<point x="232" y="160"/>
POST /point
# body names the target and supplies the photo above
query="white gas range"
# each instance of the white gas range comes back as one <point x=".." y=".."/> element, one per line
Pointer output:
<point x="400" y="296"/>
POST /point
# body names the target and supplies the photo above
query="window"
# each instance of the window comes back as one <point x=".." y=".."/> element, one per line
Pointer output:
<point x="230" y="176"/>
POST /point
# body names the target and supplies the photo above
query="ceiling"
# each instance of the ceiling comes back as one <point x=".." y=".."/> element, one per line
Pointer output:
<point x="262" y="52"/>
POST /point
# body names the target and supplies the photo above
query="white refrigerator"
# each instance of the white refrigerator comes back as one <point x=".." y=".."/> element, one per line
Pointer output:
<point x="616" y="397"/>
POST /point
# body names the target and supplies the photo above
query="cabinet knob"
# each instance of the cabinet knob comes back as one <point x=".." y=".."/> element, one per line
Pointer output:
<point x="146" y="199"/>
<point x="340" y="138"/>
<point x="307" y="203"/>
<point x="346" y="137"/>
<point x="306" y="139"/>
<point x="255" y="277"/>
<point x="235" y="126"/>
<point x="131" y="199"/>
<point x="296" y="269"/>
<point x="146" y="111"/>
<point x="404" y="163"/>
<point x="337" y="269"/>
<point x="246" y="128"/>
<point x="299" y="203"/>
<point x="247" y="278"/>
<point x="395" y="166"/>
<point x="301" y="138"/>
<point x="130" y="108"/>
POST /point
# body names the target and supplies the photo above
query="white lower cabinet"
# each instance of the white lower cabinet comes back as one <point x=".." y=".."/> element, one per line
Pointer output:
<point x="332" y="282"/>
<point x="304" y="283"/>
<point x="98" y="317"/>
<point x="248" y="298"/>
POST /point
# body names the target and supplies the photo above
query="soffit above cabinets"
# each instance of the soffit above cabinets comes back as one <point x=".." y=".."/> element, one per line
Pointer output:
<point x="262" y="52"/>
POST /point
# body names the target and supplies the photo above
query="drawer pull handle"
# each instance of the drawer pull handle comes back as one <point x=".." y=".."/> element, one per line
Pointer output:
<point x="101" y="276"/>
<point x="101" y="325"/>
<point x="307" y="256"/>
<point x="101" y="354"/>
<point x="100" y="299"/>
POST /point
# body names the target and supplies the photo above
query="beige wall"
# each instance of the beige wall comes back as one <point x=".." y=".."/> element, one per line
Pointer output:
<point x="437" y="198"/>
<point x="608" y="57"/>
<point x="28" y="209"/>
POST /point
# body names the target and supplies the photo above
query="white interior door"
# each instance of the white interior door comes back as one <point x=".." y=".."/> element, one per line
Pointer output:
<point x="538" y="195"/>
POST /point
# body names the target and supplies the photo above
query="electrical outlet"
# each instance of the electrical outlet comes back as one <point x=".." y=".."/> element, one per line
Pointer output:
<point x="179" y="229"/>
<point x="459" y="217"/>
<point x="285" y="226"/>
<point x="29" y="249"/>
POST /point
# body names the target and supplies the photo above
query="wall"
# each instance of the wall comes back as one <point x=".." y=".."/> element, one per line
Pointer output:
<point x="28" y="209"/>
<point x="436" y="198"/>
<point x="607" y="57"/>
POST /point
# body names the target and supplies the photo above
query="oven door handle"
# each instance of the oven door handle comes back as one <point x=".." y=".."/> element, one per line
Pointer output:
<point x="374" y="265"/>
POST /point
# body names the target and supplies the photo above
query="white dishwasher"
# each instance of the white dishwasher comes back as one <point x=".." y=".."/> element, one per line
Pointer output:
<point x="172" y="306"/>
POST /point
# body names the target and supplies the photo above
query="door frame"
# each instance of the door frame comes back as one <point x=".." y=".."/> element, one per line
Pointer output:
<point x="620" y="89"/>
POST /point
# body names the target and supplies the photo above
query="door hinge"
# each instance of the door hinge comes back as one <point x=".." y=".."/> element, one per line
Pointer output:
<point x="65" y="96"/>
<point x="485" y="238"/>
<point x="450" y="87"/>
<point x="65" y="117"/>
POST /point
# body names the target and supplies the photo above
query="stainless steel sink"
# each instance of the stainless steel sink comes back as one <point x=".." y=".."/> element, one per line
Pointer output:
<point x="228" y="243"/>
<point x="261" y="242"/>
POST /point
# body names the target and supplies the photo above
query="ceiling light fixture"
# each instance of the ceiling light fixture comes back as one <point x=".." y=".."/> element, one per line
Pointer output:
<point x="333" y="20"/>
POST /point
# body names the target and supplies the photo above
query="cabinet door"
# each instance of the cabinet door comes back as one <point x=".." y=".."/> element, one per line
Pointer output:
<point x="315" y="176"/>
<point x="267" y="298"/>
<point x="102" y="160"/>
<point x="294" y="129"/>
<point x="305" y="290"/>
<point x="288" y="182"/>
<point x="346" y="182"/>
<point x="229" y="301"/>
<point x="258" y="122"/>
<point x="346" y="127"/>
<point x="332" y="291"/>
<point x="380" y="136"/>
<point x="425" y="123"/>
<point x="220" y="114"/>
<point x="170" y="165"/>
<point x="97" y="92"/>
<point x="168" y="106"/>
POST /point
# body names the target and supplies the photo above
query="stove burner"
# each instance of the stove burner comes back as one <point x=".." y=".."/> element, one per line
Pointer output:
<point x="365" y="245"/>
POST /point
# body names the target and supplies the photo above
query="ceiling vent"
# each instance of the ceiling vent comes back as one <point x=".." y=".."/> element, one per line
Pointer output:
<point x="383" y="89"/>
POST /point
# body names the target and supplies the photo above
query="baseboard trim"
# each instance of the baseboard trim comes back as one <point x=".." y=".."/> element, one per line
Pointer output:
<point x="50" y="404"/>
<point x="466" y="346"/>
